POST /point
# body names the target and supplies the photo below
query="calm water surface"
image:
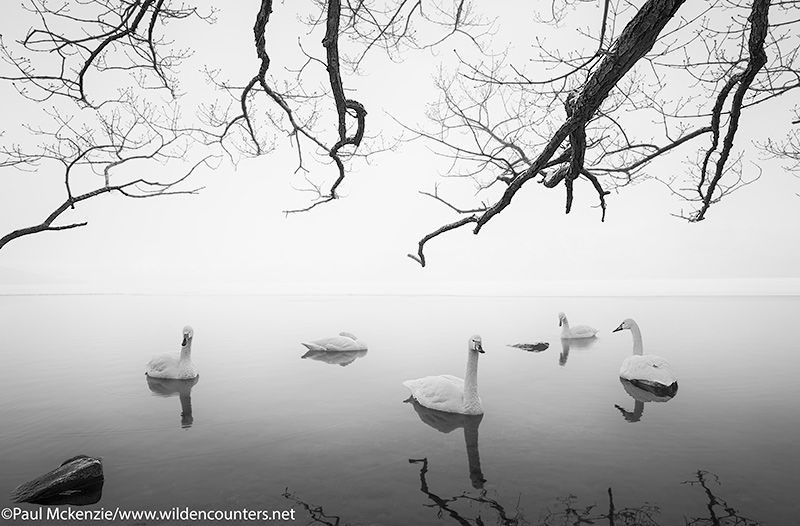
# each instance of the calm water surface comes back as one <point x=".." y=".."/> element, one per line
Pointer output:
<point x="561" y="438"/>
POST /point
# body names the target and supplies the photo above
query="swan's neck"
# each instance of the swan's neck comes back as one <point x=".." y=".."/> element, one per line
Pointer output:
<point x="186" y="351"/>
<point x="472" y="403"/>
<point x="564" y="328"/>
<point x="638" y="350"/>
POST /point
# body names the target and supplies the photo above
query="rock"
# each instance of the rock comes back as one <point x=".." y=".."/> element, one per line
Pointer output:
<point x="532" y="347"/>
<point x="77" y="480"/>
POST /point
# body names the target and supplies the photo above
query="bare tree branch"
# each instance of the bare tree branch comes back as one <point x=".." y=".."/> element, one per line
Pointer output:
<point x="639" y="84"/>
<point x="419" y="257"/>
<point x="759" y="26"/>
<point x="597" y="140"/>
<point x="138" y="188"/>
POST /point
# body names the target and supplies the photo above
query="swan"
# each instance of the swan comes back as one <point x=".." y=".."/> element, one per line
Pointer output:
<point x="345" y="341"/>
<point x="578" y="331"/>
<point x="175" y="365"/>
<point x="448" y="393"/>
<point x="646" y="371"/>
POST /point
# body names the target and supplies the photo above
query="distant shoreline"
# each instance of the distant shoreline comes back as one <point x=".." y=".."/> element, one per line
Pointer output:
<point x="603" y="288"/>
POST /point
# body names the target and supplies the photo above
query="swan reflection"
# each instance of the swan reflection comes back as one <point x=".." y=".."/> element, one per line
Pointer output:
<point x="447" y="422"/>
<point x="167" y="387"/>
<point x="343" y="358"/>
<point x="573" y="343"/>
<point x="643" y="394"/>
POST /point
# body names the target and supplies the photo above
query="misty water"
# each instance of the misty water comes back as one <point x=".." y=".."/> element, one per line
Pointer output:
<point x="332" y="439"/>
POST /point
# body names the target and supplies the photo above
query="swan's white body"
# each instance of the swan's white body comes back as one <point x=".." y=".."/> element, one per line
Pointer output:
<point x="343" y="342"/>
<point x="644" y="369"/>
<point x="175" y="365"/>
<point x="448" y="393"/>
<point x="578" y="331"/>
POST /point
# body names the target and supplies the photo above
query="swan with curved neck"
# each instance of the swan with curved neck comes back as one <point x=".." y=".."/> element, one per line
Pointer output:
<point x="645" y="370"/>
<point x="451" y="394"/>
<point x="175" y="365"/>
<point x="578" y="331"/>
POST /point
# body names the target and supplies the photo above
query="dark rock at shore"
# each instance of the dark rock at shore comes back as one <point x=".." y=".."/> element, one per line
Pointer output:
<point x="78" y="480"/>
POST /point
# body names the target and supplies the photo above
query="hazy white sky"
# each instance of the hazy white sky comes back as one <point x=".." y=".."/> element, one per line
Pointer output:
<point x="235" y="230"/>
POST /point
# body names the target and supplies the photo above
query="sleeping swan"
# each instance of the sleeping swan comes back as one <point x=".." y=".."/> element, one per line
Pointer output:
<point x="345" y="341"/>
<point x="645" y="370"/>
<point x="448" y="393"/>
<point x="578" y="331"/>
<point x="175" y="365"/>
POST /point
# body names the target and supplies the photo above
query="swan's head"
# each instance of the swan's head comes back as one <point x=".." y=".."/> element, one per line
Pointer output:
<point x="188" y="334"/>
<point x="476" y="344"/>
<point x="561" y="318"/>
<point x="626" y="324"/>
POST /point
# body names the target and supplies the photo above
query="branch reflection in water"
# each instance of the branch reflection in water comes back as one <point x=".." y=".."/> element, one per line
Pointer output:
<point x="566" y="511"/>
<point x="167" y="387"/>
<point x="719" y="513"/>
<point x="316" y="513"/>
<point x="566" y="514"/>
<point x="485" y="502"/>
<point x="447" y="422"/>
<point x="642" y="395"/>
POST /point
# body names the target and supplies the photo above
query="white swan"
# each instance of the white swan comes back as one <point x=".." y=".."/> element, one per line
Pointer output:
<point x="345" y="341"/>
<point x="175" y="365"/>
<point x="645" y="370"/>
<point x="578" y="331"/>
<point x="448" y="393"/>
